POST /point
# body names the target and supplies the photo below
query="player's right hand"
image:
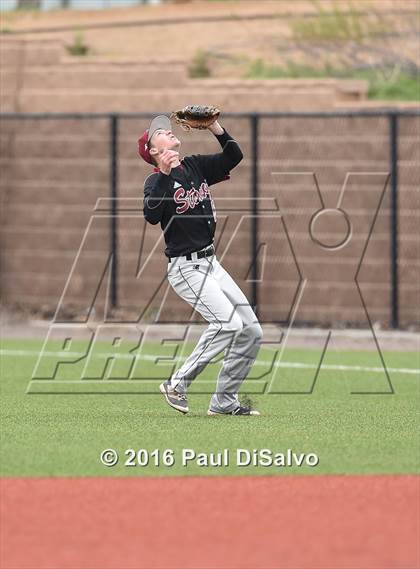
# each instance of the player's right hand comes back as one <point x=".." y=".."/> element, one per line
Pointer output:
<point x="168" y="159"/>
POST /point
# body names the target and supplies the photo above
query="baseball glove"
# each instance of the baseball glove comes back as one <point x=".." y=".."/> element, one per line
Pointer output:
<point x="196" y="116"/>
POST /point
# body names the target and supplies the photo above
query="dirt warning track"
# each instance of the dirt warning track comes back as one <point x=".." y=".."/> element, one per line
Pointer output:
<point x="307" y="522"/>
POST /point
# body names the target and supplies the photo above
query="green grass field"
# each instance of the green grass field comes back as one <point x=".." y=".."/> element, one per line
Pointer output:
<point x="45" y="432"/>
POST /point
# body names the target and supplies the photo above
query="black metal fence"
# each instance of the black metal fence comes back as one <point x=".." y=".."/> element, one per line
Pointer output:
<point x="256" y="127"/>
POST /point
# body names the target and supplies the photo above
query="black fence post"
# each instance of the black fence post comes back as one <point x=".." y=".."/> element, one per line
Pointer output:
<point x="254" y="198"/>
<point x="113" y="218"/>
<point x="393" y="141"/>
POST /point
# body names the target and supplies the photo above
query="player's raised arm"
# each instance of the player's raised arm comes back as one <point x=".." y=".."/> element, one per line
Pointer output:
<point x="215" y="167"/>
<point x="231" y="153"/>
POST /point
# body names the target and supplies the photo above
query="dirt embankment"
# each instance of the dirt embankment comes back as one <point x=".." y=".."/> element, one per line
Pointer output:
<point x="232" y="35"/>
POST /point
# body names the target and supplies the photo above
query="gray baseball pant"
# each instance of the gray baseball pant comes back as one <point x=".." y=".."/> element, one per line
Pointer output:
<point x="233" y="327"/>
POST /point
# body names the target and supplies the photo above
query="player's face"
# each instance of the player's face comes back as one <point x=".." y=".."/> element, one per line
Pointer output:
<point x="164" y="140"/>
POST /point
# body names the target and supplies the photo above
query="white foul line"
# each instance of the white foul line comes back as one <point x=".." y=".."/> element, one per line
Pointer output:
<point x="298" y="365"/>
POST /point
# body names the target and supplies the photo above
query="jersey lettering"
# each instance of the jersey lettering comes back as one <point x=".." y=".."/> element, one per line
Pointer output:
<point x="189" y="199"/>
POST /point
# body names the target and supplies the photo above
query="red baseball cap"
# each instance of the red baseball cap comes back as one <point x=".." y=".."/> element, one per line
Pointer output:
<point x="161" y="122"/>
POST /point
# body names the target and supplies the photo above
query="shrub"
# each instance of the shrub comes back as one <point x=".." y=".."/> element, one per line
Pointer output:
<point x="78" y="47"/>
<point x="199" y="66"/>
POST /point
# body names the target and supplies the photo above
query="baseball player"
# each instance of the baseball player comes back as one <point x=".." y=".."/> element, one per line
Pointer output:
<point x="177" y="196"/>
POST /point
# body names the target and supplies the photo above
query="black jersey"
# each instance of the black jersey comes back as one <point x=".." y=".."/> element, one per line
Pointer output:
<point x="181" y="201"/>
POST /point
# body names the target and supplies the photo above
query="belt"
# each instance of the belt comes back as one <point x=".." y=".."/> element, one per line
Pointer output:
<point x="208" y="252"/>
